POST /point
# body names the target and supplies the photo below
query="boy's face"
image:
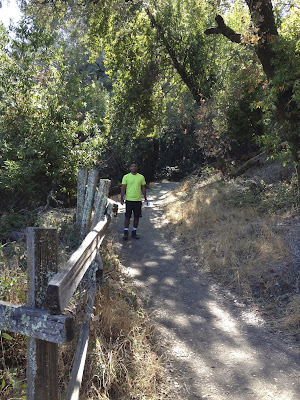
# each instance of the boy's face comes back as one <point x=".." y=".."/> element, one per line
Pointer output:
<point x="133" y="168"/>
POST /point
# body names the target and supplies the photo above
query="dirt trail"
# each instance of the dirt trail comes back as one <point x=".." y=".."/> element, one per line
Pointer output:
<point x="217" y="348"/>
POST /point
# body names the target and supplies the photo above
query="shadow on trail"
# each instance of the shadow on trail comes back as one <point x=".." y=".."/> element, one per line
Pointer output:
<point x="217" y="350"/>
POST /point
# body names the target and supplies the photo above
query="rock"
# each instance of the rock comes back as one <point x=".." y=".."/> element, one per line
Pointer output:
<point x="17" y="235"/>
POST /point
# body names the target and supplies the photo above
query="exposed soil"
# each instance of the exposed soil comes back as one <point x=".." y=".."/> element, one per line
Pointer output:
<point x="214" y="346"/>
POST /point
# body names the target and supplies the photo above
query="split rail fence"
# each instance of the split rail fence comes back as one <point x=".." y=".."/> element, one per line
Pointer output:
<point x="49" y="291"/>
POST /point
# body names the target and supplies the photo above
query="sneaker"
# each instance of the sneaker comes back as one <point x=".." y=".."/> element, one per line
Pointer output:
<point x="134" y="235"/>
<point x="125" y="237"/>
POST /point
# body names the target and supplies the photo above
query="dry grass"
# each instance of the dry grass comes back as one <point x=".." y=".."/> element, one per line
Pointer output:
<point x="13" y="288"/>
<point x="238" y="243"/>
<point x="292" y="314"/>
<point x="122" y="363"/>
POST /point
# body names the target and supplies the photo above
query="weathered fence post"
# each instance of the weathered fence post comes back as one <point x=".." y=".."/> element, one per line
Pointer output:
<point x="81" y="188"/>
<point x="100" y="201"/>
<point x="42" y="357"/>
<point x="88" y="202"/>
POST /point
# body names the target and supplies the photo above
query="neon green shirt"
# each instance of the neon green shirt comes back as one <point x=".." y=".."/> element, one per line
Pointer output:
<point x="133" y="186"/>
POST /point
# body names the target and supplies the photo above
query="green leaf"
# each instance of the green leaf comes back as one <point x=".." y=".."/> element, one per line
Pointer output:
<point x="7" y="336"/>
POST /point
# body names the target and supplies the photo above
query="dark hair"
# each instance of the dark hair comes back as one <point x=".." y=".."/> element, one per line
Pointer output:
<point x="133" y="162"/>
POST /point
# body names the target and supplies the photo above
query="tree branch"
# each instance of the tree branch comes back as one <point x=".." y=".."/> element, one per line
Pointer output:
<point x="224" y="30"/>
<point x="187" y="79"/>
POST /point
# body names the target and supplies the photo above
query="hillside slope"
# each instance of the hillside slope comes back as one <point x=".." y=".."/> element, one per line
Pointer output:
<point x="214" y="345"/>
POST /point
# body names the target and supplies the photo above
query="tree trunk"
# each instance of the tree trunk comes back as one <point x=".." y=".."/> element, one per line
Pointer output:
<point x="272" y="56"/>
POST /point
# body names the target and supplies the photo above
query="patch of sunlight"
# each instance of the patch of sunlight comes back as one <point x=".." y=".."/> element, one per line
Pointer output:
<point x="268" y="391"/>
<point x="252" y="319"/>
<point x="243" y="355"/>
<point x="236" y="354"/>
<point x="172" y="198"/>
<point x="168" y="257"/>
<point x="157" y="243"/>
<point x="181" y="350"/>
<point x="133" y="272"/>
<point x="171" y="303"/>
<point x="151" y="264"/>
<point x="163" y="194"/>
<point x="152" y="280"/>
<point x="166" y="248"/>
<point x="197" y="319"/>
<point x="224" y="320"/>
<point x="170" y="281"/>
<point x="182" y="320"/>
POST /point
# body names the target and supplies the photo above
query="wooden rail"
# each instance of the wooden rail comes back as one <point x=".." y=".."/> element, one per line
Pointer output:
<point x="63" y="285"/>
<point x="36" y="323"/>
<point x="49" y="292"/>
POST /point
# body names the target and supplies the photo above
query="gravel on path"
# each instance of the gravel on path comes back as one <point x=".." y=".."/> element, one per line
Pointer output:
<point x="216" y="348"/>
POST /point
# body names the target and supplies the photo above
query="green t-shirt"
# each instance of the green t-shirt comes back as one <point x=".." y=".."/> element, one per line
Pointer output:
<point x="133" y="186"/>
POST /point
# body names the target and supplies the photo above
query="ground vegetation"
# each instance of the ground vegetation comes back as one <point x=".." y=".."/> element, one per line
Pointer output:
<point x="123" y="358"/>
<point x="244" y="231"/>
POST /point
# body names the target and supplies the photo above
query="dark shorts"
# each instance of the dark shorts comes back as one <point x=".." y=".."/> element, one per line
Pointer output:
<point x="135" y="207"/>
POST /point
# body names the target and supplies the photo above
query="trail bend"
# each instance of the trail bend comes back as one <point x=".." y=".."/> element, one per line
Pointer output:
<point x="216" y="348"/>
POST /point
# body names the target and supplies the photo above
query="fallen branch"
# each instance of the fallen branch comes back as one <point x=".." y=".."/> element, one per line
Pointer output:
<point x="257" y="160"/>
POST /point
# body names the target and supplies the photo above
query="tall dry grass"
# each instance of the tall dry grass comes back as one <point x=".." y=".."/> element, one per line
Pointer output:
<point x="232" y="239"/>
<point x="13" y="288"/>
<point x="123" y="363"/>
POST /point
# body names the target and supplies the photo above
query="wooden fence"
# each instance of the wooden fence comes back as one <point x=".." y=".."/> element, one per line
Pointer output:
<point x="50" y="290"/>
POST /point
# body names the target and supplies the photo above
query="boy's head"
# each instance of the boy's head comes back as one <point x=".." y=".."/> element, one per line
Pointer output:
<point x="133" y="167"/>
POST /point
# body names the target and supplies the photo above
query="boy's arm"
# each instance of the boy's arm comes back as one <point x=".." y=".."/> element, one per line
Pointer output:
<point x="123" y="191"/>
<point x="143" y="187"/>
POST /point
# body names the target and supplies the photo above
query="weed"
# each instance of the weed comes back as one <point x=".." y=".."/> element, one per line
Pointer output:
<point x="16" y="222"/>
<point x="272" y="198"/>
<point x="13" y="279"/>
<point x="13" y="288"/>
<point x="292" y="314"/>
<point x="12" y="377"/>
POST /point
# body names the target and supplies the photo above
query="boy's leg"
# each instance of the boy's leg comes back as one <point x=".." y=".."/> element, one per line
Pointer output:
<point x="137" y="215"/>
<point x="126" y="225"/>
<point x="128" y="212"/>
<point x="136" y="222"/>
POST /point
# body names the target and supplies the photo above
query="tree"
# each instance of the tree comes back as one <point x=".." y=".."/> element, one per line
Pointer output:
<point x="149" y="45"/>
<point x="50" y="124"/>
<point x="280" y="62"/>
<point x="145" y="45"/>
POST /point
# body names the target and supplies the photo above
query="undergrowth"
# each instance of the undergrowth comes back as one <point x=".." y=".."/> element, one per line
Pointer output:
<point x="122" y="362"/>
<point x="238" y="231"/>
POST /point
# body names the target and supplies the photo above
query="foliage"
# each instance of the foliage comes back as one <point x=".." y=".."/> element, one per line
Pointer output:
<point x="13" y="221"/>
<point x="285" y="81"/>
<point x="127" y="75"/>
<point x="140" y="63"/>
<point x="50" y="121"/>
